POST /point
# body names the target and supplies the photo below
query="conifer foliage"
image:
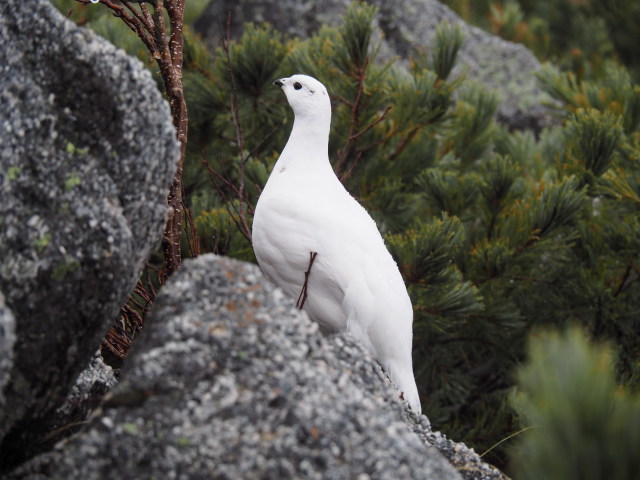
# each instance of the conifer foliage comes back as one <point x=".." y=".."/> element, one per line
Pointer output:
<point x="583" y="426"/>
<point x="496" y="233"/>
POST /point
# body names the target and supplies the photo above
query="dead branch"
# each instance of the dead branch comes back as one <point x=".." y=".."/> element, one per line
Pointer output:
<point x="354" y="133"/>
<point x="305" y="287"/>
<point x="235" y="115"/>
<point x="382" y="116"/>
<point x="352" y="167"/>
<point x="353" y="120"/>
<point x="165" y="46"/>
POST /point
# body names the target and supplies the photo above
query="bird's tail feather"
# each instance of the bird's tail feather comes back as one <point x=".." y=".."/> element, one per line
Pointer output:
<point x="406" y="383"/>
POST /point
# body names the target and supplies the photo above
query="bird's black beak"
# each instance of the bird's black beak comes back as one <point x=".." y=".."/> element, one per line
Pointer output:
<point x="279" y="83"/>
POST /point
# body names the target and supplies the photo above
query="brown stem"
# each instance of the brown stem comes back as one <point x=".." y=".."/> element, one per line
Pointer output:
<point x="168" y="53"/>
<point x="192" y="234"/>
<point x="148" y="20"/>
<point x="405" y="141"/>
<point x="305" y="287"/>
<point x="354" y="164"/>
<point x="241" y="221"/>
<point x="353" y="121"/>
<point x="140" y="16"/>
<point x="229" y="205"/>
<point x="382" y="116"/>
<point x="170" y="60"/>
<point x="357" y="135"/>
<point x="627" y="279"/>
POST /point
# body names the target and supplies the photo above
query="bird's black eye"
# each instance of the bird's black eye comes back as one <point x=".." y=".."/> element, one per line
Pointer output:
<point x="297" y="85"/>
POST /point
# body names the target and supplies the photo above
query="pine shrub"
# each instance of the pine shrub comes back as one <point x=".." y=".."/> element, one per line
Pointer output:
<point x="579" y="423"/>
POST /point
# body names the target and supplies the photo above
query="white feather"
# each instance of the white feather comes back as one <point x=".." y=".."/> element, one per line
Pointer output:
<point x="354" y="283"/>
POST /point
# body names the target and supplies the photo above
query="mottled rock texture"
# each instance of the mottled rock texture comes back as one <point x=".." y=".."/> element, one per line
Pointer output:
<point x="85" y="395"/>
<point x="7" y="341"/>
<point x="87" y="153"/>
<point x="229" y="380"/>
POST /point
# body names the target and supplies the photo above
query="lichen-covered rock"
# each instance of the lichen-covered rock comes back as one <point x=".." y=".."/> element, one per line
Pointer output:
<point x="85" y="395"/>
<point x="7" y="340"/>
<point x="229" y="380"/>
<point x="87" y="154"/>
<point x="505" y="67"/>
<point x="464" y="459"/>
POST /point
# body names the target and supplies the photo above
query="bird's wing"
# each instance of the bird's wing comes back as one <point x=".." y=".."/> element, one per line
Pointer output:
<point x="354" y="283"/>
<point x="285" y="233"/>
<point x="353" y="271"/>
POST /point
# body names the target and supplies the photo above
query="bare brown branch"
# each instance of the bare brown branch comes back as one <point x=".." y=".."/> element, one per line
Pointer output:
<point x="165" y="46"/>
<point x="241" y="194"/>
<point x="353" y="121"/>
<point x="302" y="298"/>
<point x="355" y="132"/>
<point x="382" y="116"/>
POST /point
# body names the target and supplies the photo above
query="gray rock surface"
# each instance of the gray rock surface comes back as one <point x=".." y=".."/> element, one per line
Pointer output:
<point x="85" y="395"/>
<point x="229" y="380"/>
<point x="503" y="66"/>
<point x="468" y="463"/>
<point x="7" y="341"/>
<point x="87" y="153"/>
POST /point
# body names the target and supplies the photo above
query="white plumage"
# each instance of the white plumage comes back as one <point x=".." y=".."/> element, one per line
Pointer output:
<point x="354" y="283"/>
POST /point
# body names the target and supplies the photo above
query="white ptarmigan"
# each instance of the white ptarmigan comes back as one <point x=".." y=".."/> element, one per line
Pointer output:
<point x="353" y="282"/>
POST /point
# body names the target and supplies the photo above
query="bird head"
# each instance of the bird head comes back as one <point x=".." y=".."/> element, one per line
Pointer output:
<point x="307" y="96"/>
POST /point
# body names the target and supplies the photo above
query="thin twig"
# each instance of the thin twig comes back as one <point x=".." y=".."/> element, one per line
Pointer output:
<point x="192" y="234"/>
<point x="305" y="287"/>
<point x="131" y="21"/>
<point x="353" y="119"/>
<point x="148" y="21"/>
<point x="262" y="142"/>
<point x="348" y="173"/>
<point x="405" y="141"/>
<point x="354" y="135"/>
<point x="62" y="429"/>
<point x="167" y="50"/>
<point x="357" y="135"/>
<point x="382" y="116"/>
<point x="627" y="279"/>
<point x="507" y="438"/>
<point x="229" y="205"/>
<point x="235" y="115"/>
<point x="138" y="15"/>
<point x="161" y="42"/>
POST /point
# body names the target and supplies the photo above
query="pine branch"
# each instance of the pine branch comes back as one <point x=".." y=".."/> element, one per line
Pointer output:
<point x="382" y="116"/>
<point x="353" y="119"/>
<point x="406" y="140"/>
